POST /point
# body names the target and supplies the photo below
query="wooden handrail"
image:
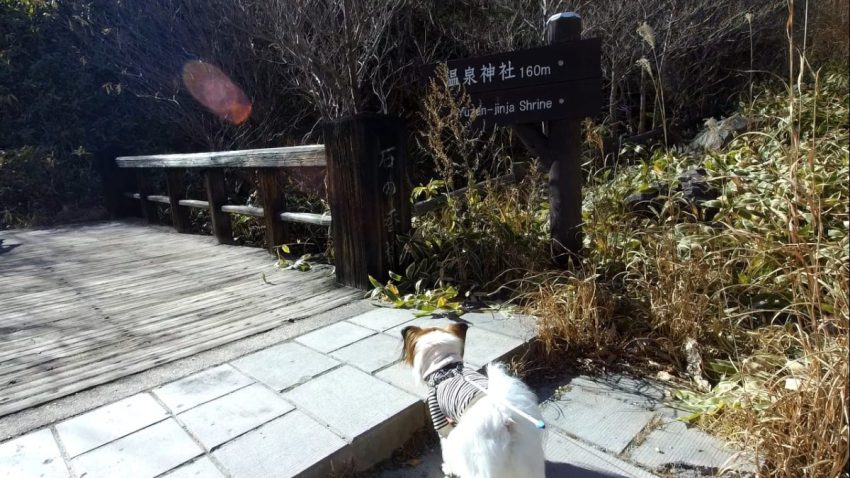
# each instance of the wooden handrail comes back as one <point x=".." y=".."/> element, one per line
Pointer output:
<point x="287" y="157"/>
<point x="269" y="164"/>
<point x="244" y="210"/>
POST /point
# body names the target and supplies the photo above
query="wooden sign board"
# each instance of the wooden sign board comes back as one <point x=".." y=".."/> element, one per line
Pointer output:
<point x="558" y="81"/>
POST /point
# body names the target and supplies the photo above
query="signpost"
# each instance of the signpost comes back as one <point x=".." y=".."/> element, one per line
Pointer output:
<point x="543" y="94"/>
<point x="562" y="80"/>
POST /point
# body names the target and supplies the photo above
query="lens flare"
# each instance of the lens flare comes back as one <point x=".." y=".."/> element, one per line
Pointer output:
<point x="213" y="89"/>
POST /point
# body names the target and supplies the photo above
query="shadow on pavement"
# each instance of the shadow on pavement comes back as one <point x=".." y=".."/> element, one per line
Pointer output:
<point x="565" y="470"/>
<point x="7" y="248"/>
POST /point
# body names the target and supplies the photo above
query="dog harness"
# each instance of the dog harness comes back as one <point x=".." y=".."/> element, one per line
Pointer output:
<point x="450" y="395"/>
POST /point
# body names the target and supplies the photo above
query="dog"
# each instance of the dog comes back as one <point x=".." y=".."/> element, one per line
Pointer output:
<point x="481" y="434"/>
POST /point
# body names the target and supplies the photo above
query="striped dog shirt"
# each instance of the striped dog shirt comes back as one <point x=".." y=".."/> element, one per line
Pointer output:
<point x="450" y="394"/>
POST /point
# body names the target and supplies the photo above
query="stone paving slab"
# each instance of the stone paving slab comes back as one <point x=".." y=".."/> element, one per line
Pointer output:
<point x="200" y="468"/>
<point x="483" y="346"/>
<point x="30" y="456"/>
<point x="332" y="337"/>
<point x="638" y="392"/>
<point x="399" y="374"/>
<point x="676" y="445"/>
<point x="201" y="387"/>
<point x="383" y="318"/>
<point x="519" y="326"/>
<point x="569" y="457"/>
<point x="351" y="401"/>
<point x="292" y="445"/>
<point x="285" y="365"/>
<point x="371" y="353"/>
<point x="93" y="429"/>
<point x="602" y="421"/>
<point x="143" y="454"/>
<point x="565" y="458"/>
<point x="227" y="417"/>
<point x="420" y="322"/>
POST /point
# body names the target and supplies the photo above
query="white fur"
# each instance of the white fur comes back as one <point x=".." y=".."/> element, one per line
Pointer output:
<point x="490" y="441"/>
<point x="434" y="351"/>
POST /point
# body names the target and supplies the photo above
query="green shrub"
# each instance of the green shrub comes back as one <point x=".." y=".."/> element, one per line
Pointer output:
<point x="36" y="189"/>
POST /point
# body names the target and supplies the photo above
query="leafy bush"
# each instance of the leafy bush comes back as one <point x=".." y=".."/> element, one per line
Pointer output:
<point x="61" y="119"/>
<point x="35" y="188"/>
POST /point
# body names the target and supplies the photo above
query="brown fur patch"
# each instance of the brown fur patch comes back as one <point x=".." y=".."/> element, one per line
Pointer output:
<point x="411" y="335"/>
<point x="458" y="329"/>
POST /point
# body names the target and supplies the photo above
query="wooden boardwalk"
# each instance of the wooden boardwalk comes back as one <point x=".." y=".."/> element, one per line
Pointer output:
<point x="81" y="306"/>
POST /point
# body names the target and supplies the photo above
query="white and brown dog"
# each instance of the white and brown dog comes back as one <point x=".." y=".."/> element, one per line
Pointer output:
<point x="488" y="434"/>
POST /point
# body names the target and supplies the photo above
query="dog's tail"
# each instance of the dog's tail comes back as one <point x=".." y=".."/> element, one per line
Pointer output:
<point x="505" y="389"/>
<point x="524" y="456"/>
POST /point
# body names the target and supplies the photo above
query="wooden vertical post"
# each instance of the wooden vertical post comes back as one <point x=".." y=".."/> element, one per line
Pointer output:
<point x="369" y="195"/>
<point x="176" y="192"/>
<point x="564" y="151"/>
<point x="148" y="207"/>
<point x="217" y="197"/>
<point x="274" y="202"/>
<point x="558" y="144"/>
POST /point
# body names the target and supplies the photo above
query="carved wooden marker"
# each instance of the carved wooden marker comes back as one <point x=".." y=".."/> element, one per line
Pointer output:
<point x="369" y="195"/>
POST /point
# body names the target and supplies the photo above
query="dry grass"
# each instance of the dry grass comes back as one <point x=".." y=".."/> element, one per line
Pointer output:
<point x="752" y="307"/>
<point x="486" y="235"/>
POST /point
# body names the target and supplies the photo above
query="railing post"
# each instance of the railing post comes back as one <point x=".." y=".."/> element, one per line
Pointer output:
<point x="176" y="192"/>
<point x="274" y="202"/>
<point x="217" y="197"/>
<point x="149" y="210"/>
<point x="369" y="195"/>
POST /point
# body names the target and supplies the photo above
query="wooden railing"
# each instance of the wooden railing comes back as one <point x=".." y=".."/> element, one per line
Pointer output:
<point x="361" y="244"/>
<point x="270" y="165"/>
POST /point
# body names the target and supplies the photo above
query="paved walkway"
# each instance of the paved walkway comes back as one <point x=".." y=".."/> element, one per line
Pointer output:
<point x="336" y="400"/>
<point x="612" y="426"/>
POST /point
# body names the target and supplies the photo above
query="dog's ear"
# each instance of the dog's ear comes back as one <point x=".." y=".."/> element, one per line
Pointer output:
<point x="405" y="331"/>
<point x="458" y="329"/>
<point x="408" y="335"/>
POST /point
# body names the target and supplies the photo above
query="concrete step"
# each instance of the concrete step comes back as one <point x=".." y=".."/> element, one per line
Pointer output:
<point x="335" y="399"/>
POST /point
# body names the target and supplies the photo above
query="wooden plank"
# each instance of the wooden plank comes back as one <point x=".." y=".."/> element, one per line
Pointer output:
<point x="190" y="317"/>
<point x="88" y="378"/>
<point x="125" y="351"/>
<point x="288" y="157"/>
<point x="244" y="210"/>
<point x="216" y="198"/>
<point x="159" y="198"/>
<point x="176" y="192"/>
<point x="136" y="317"/>
<point x="306" y="218"/>
<point x="126" y="310"/>
<point x="195" y="203"/>
<point x="109" y="305"/>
